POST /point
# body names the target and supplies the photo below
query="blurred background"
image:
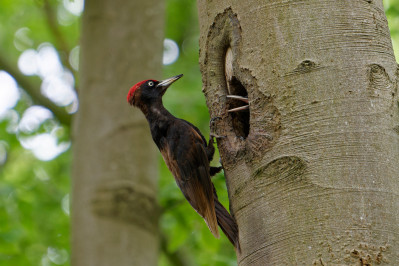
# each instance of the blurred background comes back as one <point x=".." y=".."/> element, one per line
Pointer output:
<point x="39" y="64"/>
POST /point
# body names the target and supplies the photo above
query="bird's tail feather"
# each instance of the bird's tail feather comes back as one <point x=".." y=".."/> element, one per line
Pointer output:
<point x="227" y="224"/>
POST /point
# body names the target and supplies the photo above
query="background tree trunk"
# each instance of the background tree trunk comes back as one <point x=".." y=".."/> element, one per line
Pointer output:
<point x="115" y="220"/>
<point x="312" y="169"/>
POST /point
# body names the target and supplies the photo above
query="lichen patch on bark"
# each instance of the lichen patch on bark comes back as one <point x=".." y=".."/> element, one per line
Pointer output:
<point x="365" y="254"/>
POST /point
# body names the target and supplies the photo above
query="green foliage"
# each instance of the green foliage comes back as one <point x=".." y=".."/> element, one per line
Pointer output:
<point x="34" y="194"/>
<point x="185" y="99"/>
<point x="392" y="12"/>
<point x="34" y="214"/>
<point x="34" y="209"/>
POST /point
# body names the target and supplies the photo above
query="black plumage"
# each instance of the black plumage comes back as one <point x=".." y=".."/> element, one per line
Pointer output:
<point x="186" y="153"/>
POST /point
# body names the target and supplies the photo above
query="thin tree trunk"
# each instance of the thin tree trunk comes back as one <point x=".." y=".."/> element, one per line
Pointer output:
<point x="114" y="207"/>
<point x="312" y="168"/>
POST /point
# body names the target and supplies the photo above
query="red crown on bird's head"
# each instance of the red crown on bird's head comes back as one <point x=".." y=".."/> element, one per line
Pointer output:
<point x="133" y="90"/>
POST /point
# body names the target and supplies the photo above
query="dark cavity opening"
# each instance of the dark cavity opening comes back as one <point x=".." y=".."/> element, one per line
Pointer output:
<point x="240" y="119"/>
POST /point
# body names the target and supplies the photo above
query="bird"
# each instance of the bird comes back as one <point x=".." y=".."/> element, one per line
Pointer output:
<point x="186" y="154"/>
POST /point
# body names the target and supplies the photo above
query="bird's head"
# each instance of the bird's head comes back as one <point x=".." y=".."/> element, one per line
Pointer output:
<point x="148" y="91"/>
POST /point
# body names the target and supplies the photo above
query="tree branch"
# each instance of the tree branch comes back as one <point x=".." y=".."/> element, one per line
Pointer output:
<point x="34" y="92"/>
<point x="59" y="38"/>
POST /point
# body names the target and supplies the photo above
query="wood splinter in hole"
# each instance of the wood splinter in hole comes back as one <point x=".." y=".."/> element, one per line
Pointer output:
<point x="238" y="105"/>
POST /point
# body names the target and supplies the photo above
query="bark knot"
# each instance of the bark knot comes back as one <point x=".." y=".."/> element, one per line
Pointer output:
<point x="306" y="66"/>
<point x="380" y="85"/>
<point x="126" y="202"/>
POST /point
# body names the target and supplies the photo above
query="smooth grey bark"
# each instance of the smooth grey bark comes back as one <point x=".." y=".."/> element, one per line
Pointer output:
<point x="312" y="170"/>
<point x="114" y="207"/>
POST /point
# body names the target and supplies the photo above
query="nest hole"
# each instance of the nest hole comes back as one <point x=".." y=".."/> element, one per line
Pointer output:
<point x="240" y="119"/>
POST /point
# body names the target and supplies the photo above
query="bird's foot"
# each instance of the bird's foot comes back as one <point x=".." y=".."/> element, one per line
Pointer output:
<point x="213" y="119"/>
<point x="214" y="170"/>
<point x="211" y="124"/>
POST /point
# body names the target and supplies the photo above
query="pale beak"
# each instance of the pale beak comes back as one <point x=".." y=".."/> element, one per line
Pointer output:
<point x="164" y="84"/>
<point x="240" y="98"/>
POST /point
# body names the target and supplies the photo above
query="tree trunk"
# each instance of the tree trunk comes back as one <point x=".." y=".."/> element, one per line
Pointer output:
<point x="115" y="211"/>
<point x="312" y="168"/>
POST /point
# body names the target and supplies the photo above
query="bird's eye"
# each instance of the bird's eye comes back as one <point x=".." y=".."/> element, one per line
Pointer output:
<point x="150" y="83"/>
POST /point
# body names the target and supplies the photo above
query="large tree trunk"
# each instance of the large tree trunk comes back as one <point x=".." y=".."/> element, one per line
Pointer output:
<point x="114" y="205"/>
<point x="312" y="169"/>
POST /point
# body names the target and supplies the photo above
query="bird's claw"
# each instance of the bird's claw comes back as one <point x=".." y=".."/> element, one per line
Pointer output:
<point x="213" y="135"/>
<point x="214" y="118"/>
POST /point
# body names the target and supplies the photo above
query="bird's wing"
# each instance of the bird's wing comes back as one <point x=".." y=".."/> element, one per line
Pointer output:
<point x="187" y="160"/>
<point x="196" y="131"/>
